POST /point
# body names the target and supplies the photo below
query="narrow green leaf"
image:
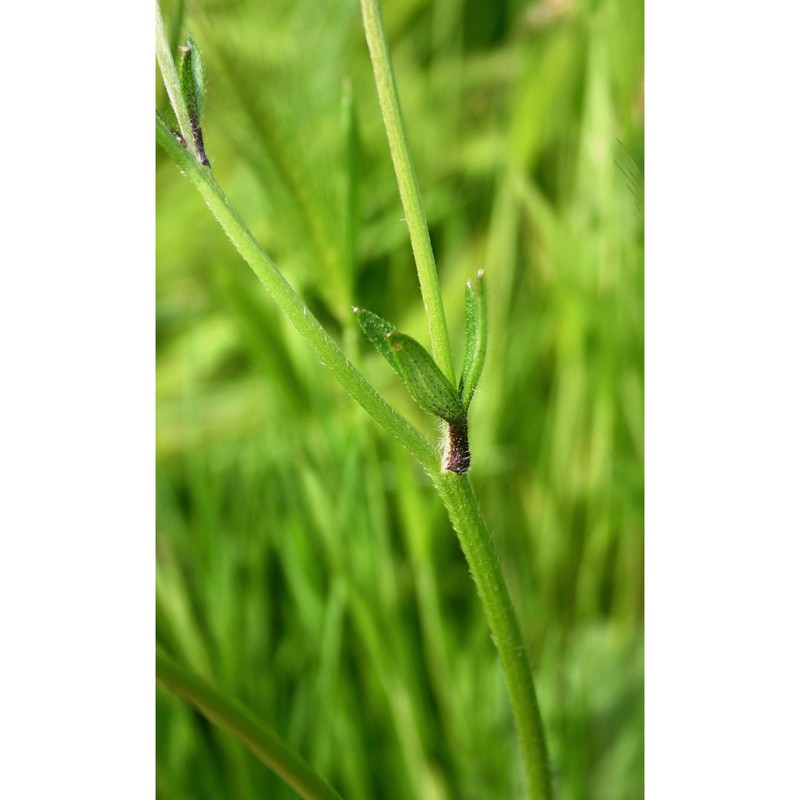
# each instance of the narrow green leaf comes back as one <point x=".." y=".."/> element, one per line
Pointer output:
<point x="232" y="717"/>
<point x="192" y="77"/>
<point x="428" y="386"/>
<point x="475" y="320"/>
<point x="193" y="89"/>
<point x="412" y="362"/>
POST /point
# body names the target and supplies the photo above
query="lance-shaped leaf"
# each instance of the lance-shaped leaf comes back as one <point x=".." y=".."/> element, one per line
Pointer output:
<point x="192" y="78"/>
<point x="475" y="319"/>
<point x="412" y="362"/>
<point x="425" y="381"/>
<point x="193" y="89"/>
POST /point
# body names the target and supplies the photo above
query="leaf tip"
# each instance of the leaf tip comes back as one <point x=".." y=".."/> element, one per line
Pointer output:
<point x="478" y="279"/>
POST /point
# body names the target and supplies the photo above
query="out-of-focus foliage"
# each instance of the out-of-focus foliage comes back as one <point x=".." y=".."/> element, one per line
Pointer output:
<point x="304" y="561"/>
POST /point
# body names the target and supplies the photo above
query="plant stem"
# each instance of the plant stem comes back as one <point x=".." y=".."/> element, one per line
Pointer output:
<point x="407" y="183"/>
<point x="455" y="489"/>
<point x="264" y="743"/>
<point x="172" y="82"/>
<point x="292" y="305"/>
<point x="459" y="499"/>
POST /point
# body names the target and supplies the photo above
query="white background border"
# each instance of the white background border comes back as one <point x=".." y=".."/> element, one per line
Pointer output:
<point x="722" y="404"/>
<point x="722" y="400"/>
<point x="77" y="422"/>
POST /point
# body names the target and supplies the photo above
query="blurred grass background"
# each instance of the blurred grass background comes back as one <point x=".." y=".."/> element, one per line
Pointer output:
<point x="304" y="562"/>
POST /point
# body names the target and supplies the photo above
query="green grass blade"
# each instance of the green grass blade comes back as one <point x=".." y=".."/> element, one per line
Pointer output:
<point x="476" y="325"/>
<point x="352" y="178"/>
<point x="230" y="716"/>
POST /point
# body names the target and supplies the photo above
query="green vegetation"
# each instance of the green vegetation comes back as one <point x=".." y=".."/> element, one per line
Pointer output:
<point x="305" y="564"/>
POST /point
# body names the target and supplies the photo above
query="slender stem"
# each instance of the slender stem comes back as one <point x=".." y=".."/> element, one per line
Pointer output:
<point x="407" y="183"/>
<point x="171" y="80"/>
<point x="291" y="304"/>
<point x="264" y="743"/>
<point x="456" y="491"/>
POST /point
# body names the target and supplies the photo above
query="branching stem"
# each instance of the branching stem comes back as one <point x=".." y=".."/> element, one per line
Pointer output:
<point x="326" y="349"/>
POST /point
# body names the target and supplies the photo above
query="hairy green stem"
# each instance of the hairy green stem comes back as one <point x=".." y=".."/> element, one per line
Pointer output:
<point x="455" y="489"/>
<point x="264" y="743"/>
<point x="292" y="305"/>
<point x="407" y="183"/>
<point x="459" y="499"/>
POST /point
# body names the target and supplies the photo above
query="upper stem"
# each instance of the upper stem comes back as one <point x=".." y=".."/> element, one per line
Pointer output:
<point x="407" y="183"/>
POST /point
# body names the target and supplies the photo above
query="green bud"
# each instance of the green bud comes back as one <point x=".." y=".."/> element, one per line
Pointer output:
<point x="193" y="89"/>
<point x="475" y="319"/>
<point x="192" y="77"/>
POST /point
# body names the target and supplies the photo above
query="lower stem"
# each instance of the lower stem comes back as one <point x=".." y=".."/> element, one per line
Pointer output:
<point x="459" y="499"/>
